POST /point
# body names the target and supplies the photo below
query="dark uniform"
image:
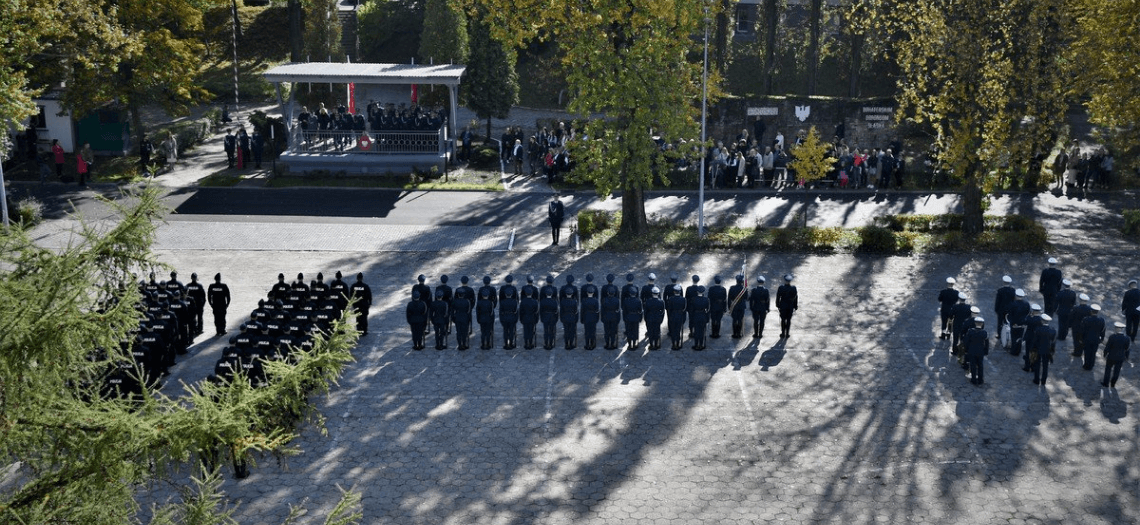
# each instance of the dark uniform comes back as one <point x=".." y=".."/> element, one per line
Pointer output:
<point x="630" y="289"/>
<point x="960" y="320"/>
<point x="485" y="316"/>
<point x="654" y="309"/>
<point x="787" y="302"/>
<point x="948" y="297"/>
<point x="363" y="301"/>
<point x="675" y="310"/>
<point x="738" y="304"/>
<point x="528" y="314"/>
<point x="759" y="303"/>
<point x="699" y="317"/>
<point x="196" y="292"/>
<point x="690" y="293"/>
<point x="670" y="289"/>
<point x="1116" y="351"/>
<point x="490" y="289"/>
<point x="1066" y="301"/>
<point x="1042" y="347"/>
<point x="218" y="295"/>
<point x="423" y="289"/>
<point x="631" y="313"/>
<point x="1079" y="313"/>
<point x="555" y="212"/>
<point x="568" y="313"/>
<point x="529" y="289"/>
<point x="440" y="318"/>
<point x="469" y="294"/>
<point x="1017" y="314"/>
<point x="591" y="315"/>
<point x="1049" y="285"/>
<point x="1092" y="333"/>
<point x="548" y="314"/>
<point x="280" y="289"/>
<point x="611" y="315"/>
<point x="977" y="343"/>
<point x="1128" y="306"/>
<point x="548" y="287"/>
<point x="509" y="314"/>
<point x="647" y="289"/>
<point x="1032" y="323"/>
<point x="461" y="318"/>
<point x="718" y="304"/>
<point x="509" y="287"/>
<point x="1006" y="295"/>
<point x="610" y="287"/>
<point x="447" y="296"/>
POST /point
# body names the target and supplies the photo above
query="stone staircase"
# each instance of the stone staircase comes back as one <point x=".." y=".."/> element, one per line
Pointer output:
<point x="348" y="37"/>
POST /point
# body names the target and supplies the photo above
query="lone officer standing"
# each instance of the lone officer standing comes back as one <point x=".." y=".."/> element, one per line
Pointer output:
<point x="218" y="295"/>
<point x="738" y="302"/>
<point x="654" y="315"/>
<point x="509" y="314"/>
<point x="611" y="314"/>
<point x="631" y="313"/>
<point x="1005" y="297"/>
<point x="528" y="314"/>
<point x="196" y="292"/>
<point x="1049" y="285"/>
<point x="363" y="302"/>
<point x="1066" y="301"/>
<point x="675" y="309"/>
<point x="485" y="316"/>
<point x="948" y="297"/>
<point x="440" y="318"/>
<point x="699" y="318"/>
<point x="591" y="313"/>
<point x="1092" y="333"/>
<point x="568" y="314"/>
<point x="461" y="316"/>
<point x="759" y="302"/>
<point x="548" y="314"/>
<point x="417" y="316"/>
<point x="718" y="303"/>
<point x="787" y="302"/>
<point x="555" y="212"/>
<point x="1041" y="349"/>
<point x="1128" y="306"/>
<point x="977" y="348"/>
<point x="1115" y="353"/>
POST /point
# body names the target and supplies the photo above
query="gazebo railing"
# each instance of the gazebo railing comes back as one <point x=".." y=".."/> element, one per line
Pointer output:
<point x="371" y="142"/>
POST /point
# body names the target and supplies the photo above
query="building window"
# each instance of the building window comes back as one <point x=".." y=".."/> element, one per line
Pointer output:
<point x="39" y="120"/>
<point x="745" y="18"/>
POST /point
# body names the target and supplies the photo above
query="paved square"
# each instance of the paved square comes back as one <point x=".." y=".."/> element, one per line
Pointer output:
<point x="861" y="417"/>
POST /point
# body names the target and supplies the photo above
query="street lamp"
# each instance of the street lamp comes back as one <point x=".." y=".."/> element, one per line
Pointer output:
<point x="704" y="112"/>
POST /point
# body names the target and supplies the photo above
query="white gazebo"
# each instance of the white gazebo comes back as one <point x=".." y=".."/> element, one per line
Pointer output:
<point x="373" y="151"/>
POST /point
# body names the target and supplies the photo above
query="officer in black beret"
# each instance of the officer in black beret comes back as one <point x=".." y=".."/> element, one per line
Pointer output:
<point x="362" y="295"/>
<point x="529" y="314"/>
<point x="548" y="287"/>
<point x="759" y="303"/>
<point x="485" y="316"/>
<point x="461" y="317"/>
<point x="589" y="286"/>
<point x="509" y="286"/>
<point x="568" y="313"/>
<point x="423" y="289"/>
<point x="509" y="314"/>
<point x="630" y="289"/>
<point x="632" y="314"/>
<point x="718" y="304"/>
<point x="611" y="314"/>
<point x="548" y="314"/>
<point x="440" y="318"/>
<point x="654" y="315"/>
<point x="494" y="294"/>
<point x="610" y="286"/>
<point x="197" y="293"/>
<point x="676" y="310"/>
<point x="529" y="289"/>
<point x="787" y="302"/>
<point x="738" y="304"/>
<point x="591" y="313"/>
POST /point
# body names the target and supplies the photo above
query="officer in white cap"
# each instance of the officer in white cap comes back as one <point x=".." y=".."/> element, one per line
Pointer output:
<point x="1005" y="297"/>
<point x="1041" y="349"/>
<point x="1080" y="312"/>
<point x="1066" y="301"/>
<point x="787" y="302"/>
<point x="1130" y="307"/>
<point x="948" y="297"/>
<point x="1116" y="351"/>
<point x="1032" y="323"/>
<point x="1049" y="285"/>
<point x="961" y="316"/>
<point x="977" y="347"/>
<point x="1017" y="315"/>
<point x="1092" y="333"/>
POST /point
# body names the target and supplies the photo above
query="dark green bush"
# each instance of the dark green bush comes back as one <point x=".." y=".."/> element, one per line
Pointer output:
<point x="484" y="157"/>
<point x="876" y="239"/>
<point x="1131" y="222"/>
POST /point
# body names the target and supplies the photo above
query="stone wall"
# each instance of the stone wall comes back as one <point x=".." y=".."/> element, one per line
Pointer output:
<point x="869" y="122"/>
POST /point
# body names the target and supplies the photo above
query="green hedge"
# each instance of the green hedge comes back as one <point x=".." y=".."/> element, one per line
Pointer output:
<point x="1131" y="222"/>
<point x="950" y="222"/>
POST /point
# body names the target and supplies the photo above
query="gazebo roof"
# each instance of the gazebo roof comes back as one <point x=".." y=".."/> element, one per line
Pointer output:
<point x="364" y="73"/>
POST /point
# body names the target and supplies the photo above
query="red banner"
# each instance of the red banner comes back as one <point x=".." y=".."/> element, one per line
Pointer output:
<point x="352" y="97"/>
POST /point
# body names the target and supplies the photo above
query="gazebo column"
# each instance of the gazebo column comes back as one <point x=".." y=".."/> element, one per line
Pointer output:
<point x="453" y="90"/>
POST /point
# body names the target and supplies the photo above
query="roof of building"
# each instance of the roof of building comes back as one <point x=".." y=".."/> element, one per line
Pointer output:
<point x="364" y="73"/>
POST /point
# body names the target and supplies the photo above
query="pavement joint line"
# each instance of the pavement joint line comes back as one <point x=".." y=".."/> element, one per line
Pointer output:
<point x="751" y="414"/>
<point x="935" y="387"/>
<point x="511" y="244"/>
<point x="904" y="464"/>
<point x="549" y="398"/>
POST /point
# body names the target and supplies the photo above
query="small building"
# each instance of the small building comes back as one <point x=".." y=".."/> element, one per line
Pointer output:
<point x="107" y="128"/>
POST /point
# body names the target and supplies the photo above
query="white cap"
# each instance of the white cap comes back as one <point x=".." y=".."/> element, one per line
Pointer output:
<point x="1095" y="307"/>
<point x="1052" y="260"/>
<point x="962" y="295"/>
<point x="1066" y="282"/>
<point x="1019" y="292"/>
<point x="1046" y="318"/>
<point x="1118" y="324"/>
<point x="1083" y="297"/>
<point x="979" y="319"/>
<point x="975" y="310"/>
<point x="1035" y="307"/>
<point x="950" y="280"/>
<point x="1006" y="279"/>
<point x="652" y="276"/>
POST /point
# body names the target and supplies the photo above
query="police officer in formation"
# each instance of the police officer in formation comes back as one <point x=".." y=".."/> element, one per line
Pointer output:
<point x="461" y="316"/>
<point x="1066" y="301"/>
<point x="718" y="304"/>
<point x="1042" y="346"/>
<point x="759" y="303"/>
<point x="1116" y="351"/>
<point x="568" y="313"/>
<point x="1006" y="295"/>
<point x="441" y="317"/>
<point x="591" y="313"/>
<point x="1049" y="284"/>
<point x="197" y="293"/>
<point x="611" y="313"/>
<point x="417" y="316"/>
<point x="690" y="293"/>
<point x="509" y="313"/>
<point x="631" y="312"/>
<point x="548" y="313"/>
<point x="1092" y="333"/>
<point x="485" y="316"/>
<point x="1130" y="307"/>
<point x="218" y="295"/>
<point x="676" y="310"/>
<point x="1016" y="315"/>
<point x="529" y="313"/>
<point x="738" y="304"/>
<point x="787" y="302"/>
<point x="699" y="317"/>
<point x="948" y="297"/>
<point x="654" y="309"/>
<point x="362" y="295"/>
<point x="977" y="345"/>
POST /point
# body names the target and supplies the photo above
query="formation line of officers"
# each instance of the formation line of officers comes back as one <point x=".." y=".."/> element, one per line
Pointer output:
<point x="1026" y="329"/>
<point x="696" y="308"/>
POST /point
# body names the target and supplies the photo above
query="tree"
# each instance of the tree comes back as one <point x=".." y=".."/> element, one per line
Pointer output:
<point x="444" y="41"/>
<point x="771" y="24"/>
<point x="491" y="84"/>
<point x="79" y="451"/>
<point x="322" y="31"/>
<point x="625" y="60"/>
<point x="961" y="72"/>
<point x="811" y="162"/>
<point x="1104" y="53"/>
<point x="816" y="19"/>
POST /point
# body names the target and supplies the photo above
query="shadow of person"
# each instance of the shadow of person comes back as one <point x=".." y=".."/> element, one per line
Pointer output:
<point x="772" y="356"/>
<point x="744" y="357"/>
<point x="1112" y="407"/>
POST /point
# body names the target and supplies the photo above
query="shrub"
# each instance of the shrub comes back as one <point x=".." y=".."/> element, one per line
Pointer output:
<point x="29" y="211"/>
<point x="484" y="157"/>
<point x="1132" y="222"/>
<point x="876" y="239"/>
<point x="590" y="222"/>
